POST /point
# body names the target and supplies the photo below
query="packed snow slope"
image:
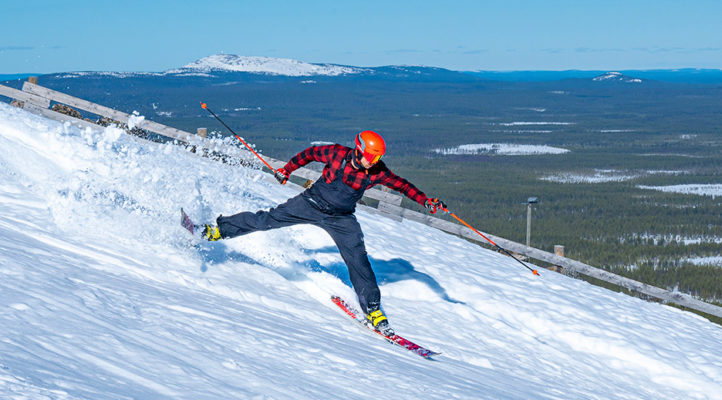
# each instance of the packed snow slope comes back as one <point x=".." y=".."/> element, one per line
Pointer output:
<point x="105" y="296"/>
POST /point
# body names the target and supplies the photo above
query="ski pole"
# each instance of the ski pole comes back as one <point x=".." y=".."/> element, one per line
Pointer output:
<point x="535" y="272"/>
<point x="205" y="107"/>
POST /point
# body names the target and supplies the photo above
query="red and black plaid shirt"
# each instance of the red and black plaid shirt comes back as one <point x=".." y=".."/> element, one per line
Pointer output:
<point x="333" y="156"/>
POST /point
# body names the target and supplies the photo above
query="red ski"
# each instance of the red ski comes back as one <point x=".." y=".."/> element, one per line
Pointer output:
<point x="186" y="222"/>
<point x="395" y="339"/>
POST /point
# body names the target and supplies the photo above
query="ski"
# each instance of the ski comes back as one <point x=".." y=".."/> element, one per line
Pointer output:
<point x="395" y="339"/>
<point x="186" y="222"/>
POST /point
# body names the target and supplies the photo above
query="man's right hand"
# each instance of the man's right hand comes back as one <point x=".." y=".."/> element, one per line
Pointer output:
<point x="281" y="176"/>
<point x="434" y="205"/>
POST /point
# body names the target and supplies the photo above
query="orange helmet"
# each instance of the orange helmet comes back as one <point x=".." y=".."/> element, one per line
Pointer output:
<point x="371" y="145"/>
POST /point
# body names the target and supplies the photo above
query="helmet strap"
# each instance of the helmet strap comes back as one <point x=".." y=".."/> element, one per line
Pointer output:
<point x="356" y="159"/>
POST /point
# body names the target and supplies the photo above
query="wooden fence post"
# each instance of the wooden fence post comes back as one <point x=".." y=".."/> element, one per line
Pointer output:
<point x="559" y="251"/>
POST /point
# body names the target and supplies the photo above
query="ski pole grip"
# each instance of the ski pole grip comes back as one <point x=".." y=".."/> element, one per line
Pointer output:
<point x="281" y="177"/>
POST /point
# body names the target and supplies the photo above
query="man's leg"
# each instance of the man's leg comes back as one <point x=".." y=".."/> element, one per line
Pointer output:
<point x="346" y="233"/>
<point x="294" y="211"/>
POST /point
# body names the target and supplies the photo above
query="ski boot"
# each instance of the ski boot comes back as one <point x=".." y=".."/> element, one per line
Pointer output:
<point x="378" y="320"/>
<point x="211" y="233"/>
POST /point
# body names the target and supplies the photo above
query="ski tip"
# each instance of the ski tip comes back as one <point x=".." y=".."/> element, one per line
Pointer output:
<point x="186" y="222"/>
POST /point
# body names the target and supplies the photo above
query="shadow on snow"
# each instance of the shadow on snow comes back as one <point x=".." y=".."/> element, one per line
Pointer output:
<point x="387" y="271"/>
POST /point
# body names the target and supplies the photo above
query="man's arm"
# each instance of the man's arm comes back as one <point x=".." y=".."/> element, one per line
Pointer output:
<point x="314" y="153"/>
<point x="395" y="182"/>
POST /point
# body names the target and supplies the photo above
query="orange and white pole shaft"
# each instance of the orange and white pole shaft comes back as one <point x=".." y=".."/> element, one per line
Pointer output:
<point x="205" y="107"/>
<point x="535" y="272"/>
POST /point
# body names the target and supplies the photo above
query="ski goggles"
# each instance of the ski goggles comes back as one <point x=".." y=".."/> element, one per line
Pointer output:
<point x="372" y="158"/>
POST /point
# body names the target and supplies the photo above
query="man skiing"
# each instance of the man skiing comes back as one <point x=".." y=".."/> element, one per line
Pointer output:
<point x="330" y="204"/>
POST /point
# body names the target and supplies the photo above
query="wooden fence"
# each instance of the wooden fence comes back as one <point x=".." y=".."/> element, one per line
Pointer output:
<point x="38" y="99"/>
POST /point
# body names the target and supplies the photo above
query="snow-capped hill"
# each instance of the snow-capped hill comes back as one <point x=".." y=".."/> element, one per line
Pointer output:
<point x="616" y="77"/>
<point x="230" y="67"/>
<point x="264" y="65"/>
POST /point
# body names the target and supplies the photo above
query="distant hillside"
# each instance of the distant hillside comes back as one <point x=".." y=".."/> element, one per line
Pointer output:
<point x="687" y="75"/>
<point x="9" y="77"/>
<point x="219" y="65"/>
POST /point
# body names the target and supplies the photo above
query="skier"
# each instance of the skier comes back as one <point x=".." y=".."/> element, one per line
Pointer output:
<point x="330" y="204"/>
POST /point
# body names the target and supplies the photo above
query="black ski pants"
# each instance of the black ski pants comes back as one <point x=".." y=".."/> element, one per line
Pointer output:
<point x="344" y="230"/>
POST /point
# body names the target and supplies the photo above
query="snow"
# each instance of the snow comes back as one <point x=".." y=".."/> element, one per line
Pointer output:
<point x="135" y="121"/>
<point x="505" y="149"/>
<point x="713" y="190"/>
<point x="713" y="260"/>
<point x="522" y="131"/>
<point x="105" y="296"/>
<point x="605" y="175"/>
<point x="659" y="239"/>
<point x="264" y="65"/>
<point x="616" y="76"/>
<point x="609" y="76"/>
<point x="526" y="123"/>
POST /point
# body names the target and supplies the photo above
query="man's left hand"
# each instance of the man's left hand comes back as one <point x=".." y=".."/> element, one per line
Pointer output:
<point x="281" y="176"/>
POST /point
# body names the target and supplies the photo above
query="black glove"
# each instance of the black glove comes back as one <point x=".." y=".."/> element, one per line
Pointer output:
<point x="281" y="176"/>
<point x="434" y="205"/>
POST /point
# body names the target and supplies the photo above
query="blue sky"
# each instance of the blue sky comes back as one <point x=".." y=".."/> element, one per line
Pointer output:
<point x="59" y="36"/>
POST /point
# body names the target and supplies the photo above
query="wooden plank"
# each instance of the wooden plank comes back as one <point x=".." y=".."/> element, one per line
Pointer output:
<point x="75" y="102"/>
<point x="24" y="96"/>
<point x="104" y="111"/>
<point x="389" y="212"/>
<point x="60" y="117"/>
<point x="167" y="131"/>
<point x="384" y="197"/>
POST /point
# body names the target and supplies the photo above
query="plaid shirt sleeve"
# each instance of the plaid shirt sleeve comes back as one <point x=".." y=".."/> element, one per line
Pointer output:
<point x="322" y="154"/>
<point x="395" y="182"/>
